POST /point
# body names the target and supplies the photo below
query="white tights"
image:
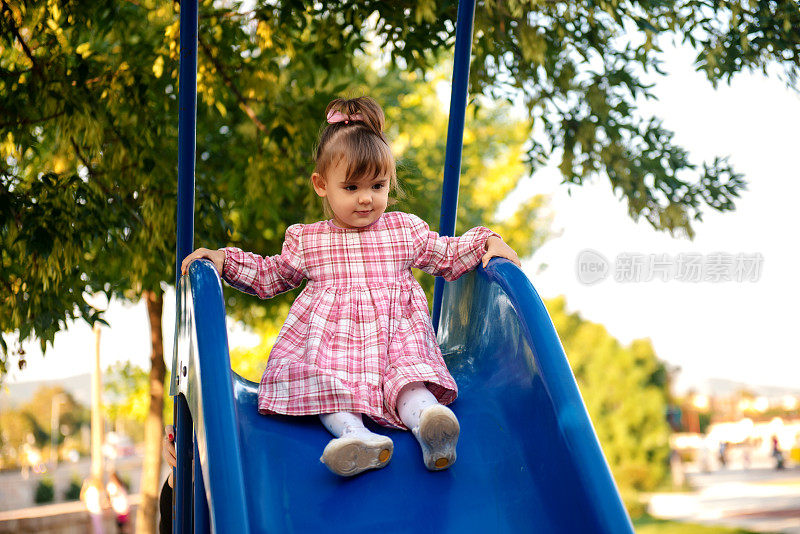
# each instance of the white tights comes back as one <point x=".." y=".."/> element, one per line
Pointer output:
<point x="411" y="401"/>
<point x="342" y="423"/>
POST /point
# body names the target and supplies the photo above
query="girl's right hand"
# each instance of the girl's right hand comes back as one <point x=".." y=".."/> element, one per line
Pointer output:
<point x="168" y="450"/>
<point x="216" y="256"/>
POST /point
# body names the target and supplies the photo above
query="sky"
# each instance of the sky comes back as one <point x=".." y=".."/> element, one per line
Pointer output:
<point x="738" y="330"/>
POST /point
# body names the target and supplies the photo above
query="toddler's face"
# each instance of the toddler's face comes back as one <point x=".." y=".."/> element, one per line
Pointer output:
<point x="355" y="204"/>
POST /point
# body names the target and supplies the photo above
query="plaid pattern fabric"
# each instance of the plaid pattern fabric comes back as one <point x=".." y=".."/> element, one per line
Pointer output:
<point x="360" y="330"/>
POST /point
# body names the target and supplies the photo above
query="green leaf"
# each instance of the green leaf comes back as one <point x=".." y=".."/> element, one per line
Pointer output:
<point x="41" y="242"/>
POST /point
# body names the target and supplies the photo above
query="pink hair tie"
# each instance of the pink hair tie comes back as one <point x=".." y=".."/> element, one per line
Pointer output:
<point x="338" y="116"/>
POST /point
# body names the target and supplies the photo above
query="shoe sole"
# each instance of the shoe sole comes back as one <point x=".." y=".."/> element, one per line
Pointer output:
<point x="438" y="435"/>
<point x="350" y="456"/>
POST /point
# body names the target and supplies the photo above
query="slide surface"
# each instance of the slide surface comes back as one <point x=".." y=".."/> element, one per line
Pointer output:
<point x="528" y="457"/>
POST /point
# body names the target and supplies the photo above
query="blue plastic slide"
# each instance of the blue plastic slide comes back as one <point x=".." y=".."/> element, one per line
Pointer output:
<point x="528" y="457"/>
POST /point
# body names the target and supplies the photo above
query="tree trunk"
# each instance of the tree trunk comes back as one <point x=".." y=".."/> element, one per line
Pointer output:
<point x="154" y="425"/>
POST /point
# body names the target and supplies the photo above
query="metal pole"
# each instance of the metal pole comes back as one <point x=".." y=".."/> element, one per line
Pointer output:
<point x="187" y="125"/>
<point x="202" y="520"/>
<point x="182" y="476"/>
<point x="455" y="135"/>
<point x="97" y="411"/>
<point x="55" y="420"/>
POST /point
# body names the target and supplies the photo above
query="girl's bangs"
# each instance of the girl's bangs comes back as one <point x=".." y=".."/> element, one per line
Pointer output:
<point x="369" y="157"/>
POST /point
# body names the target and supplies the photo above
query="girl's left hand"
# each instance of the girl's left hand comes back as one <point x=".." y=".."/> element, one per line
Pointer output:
<point x="497" y="247"/>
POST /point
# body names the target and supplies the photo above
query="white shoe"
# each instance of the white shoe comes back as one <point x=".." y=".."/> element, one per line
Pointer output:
<point x="355" y="453"/>
<point x="437" y="434"/>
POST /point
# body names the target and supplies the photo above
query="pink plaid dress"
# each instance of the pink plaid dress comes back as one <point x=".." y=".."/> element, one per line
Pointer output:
<point x="360" y="330"/>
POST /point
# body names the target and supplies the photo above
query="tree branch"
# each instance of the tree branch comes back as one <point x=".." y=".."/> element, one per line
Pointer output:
<point x="94" y="172"/>
<point x="242" y="101"/>
<point x="11" y="73"/>
<point x="31" y="121"/>
<point x="80" y="156"/>
<point x="16" y="33"/>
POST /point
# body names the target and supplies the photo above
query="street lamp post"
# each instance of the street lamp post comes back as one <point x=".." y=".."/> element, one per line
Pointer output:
<point x="55" y="415"/>
<point x="97" y="414"/>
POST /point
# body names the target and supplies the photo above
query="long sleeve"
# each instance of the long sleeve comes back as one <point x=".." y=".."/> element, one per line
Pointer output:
<point x="266" y="276"/>
<point x="449" y="257"/>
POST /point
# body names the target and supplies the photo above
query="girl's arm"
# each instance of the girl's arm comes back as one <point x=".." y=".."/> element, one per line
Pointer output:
<point x="450" y="257"/>
<point x="266" y="276"/>
<point x="254" y="274"/>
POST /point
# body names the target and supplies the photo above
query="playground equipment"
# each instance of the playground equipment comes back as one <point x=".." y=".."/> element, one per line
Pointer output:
<point x="528" y="457"/>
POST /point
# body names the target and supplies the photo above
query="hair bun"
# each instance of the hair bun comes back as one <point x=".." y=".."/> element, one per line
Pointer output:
<point x="364" y="110"/>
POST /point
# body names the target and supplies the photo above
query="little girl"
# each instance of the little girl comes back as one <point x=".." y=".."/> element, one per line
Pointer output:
<point x="359" y="338"/>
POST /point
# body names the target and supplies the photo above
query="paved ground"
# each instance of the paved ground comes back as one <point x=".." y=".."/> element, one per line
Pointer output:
<point x="55" y="509"/>
<point x="760" y="499"/>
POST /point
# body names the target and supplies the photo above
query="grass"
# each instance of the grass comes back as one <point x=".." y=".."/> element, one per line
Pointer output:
<point x="650" y="525"/>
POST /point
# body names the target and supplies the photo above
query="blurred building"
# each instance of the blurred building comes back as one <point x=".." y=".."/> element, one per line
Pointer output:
<point x="727" y="401"/>
<point x="723" y="413"/>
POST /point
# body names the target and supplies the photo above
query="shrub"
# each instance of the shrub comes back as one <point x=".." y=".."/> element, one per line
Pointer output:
<point x="73" y="491"/>
<point x="45" y="492"/>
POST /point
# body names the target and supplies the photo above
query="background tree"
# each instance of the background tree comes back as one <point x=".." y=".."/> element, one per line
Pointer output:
<point x="626" y="392"/>
<point x="126" y="395"/>
<point x="34" y="420"/>
<point x="85" y="171"/>
<point x="581" y="67"/>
